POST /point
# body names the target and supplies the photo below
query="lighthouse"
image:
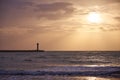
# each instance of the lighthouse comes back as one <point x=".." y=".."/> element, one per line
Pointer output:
<point x="37" y="46"/>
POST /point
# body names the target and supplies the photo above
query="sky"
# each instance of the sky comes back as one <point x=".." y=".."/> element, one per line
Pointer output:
<point x="60" y="24"/>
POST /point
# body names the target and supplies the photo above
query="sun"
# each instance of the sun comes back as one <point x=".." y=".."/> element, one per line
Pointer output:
<point x="94" y="17"/>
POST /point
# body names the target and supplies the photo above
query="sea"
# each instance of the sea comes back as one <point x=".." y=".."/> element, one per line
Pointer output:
<point x="60" y="65"/>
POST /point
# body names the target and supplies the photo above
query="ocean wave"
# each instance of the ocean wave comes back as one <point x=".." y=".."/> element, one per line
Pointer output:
<point x="68" y="71"/>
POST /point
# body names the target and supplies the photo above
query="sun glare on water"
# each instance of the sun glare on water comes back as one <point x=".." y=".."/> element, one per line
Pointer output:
<point x="94" y="17"/>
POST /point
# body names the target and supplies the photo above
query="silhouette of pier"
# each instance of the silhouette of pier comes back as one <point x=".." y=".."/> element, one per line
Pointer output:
<point x="37" y="50"/>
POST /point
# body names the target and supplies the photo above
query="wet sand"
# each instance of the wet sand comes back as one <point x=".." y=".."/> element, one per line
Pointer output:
<point x="47" y="77"/>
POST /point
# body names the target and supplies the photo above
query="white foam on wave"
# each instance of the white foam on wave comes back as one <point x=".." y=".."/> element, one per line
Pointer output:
<point x="67" y="70"/>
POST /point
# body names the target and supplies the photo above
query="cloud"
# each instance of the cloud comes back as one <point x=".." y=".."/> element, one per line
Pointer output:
<point x="117" y="18"/>
<point x="27" y="12"/>
<point x="13" y="12"/>
<point x="56" y="10"/>
<point x="87" y="3"/>
<point x="12" y="31"/>
<point x="11" y="3"/>
<point x="114" y="1"/>
<point x="98" y="27"/>
<point x="108" y="27"/>
<point x="53" y="6"/>
<point x="21" y="12"/>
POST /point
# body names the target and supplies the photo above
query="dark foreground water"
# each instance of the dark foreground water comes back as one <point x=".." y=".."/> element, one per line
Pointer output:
<point x="60" y="65"/>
